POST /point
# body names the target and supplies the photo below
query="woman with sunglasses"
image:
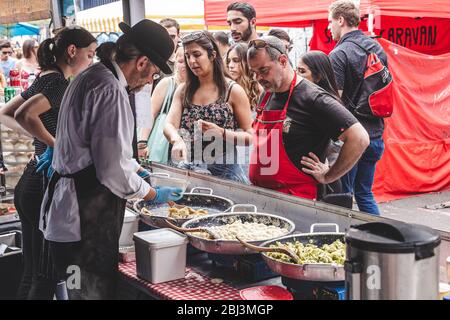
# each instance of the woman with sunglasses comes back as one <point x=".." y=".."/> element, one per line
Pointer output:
<point x="35" y="111"/>
<point x="208" y="105"/>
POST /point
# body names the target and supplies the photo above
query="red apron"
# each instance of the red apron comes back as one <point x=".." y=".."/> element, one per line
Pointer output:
<point x="270" y="166"/>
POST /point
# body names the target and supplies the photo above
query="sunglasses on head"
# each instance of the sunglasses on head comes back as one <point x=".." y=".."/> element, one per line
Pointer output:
<point x="260" y="43"/>
<point x="193" y="36"/>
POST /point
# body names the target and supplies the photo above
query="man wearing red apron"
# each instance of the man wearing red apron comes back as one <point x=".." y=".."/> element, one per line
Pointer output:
<point x="295" y="122"/>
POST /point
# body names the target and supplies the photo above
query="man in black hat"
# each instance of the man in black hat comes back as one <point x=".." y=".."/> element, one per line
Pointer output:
<point x="83" y="208"/>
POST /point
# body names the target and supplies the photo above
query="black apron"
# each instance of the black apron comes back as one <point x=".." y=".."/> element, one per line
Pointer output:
<point x="101" y="218"/>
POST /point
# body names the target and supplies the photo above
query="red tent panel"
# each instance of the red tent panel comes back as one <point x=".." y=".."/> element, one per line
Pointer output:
<point x="425" y="35"/>
<point x="417" y="153"/>
<point x="300" y="13"/>
<point x="407" y="8"/>
<point x="287" y="13"/>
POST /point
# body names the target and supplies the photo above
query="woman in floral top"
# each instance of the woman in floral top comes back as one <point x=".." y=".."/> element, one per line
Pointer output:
<point x="210" y="114"/>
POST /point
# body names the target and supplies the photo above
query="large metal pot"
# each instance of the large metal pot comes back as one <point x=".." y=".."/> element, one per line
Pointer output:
<point x="232" y="246"/>
<point x="198" y="198"/>
<point x="395" y="260"/>
<point x="310" y="272"/>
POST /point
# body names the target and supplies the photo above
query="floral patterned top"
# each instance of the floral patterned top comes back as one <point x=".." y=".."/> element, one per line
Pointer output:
<point x="218" y="112"/>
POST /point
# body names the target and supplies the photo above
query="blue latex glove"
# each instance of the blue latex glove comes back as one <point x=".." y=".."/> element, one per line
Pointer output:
<point x="165" y="194"/>
<point x="45" y="160"/>
<point x="50" y="172"/>
<point x="144" y="174"/>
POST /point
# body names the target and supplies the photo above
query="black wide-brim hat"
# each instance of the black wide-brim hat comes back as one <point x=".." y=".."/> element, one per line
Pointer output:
<point x="151" y="39"/>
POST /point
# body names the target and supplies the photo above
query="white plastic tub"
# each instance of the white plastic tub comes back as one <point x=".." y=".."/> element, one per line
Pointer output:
<point x="160" y="255"/>
<point x="129" y="227"/>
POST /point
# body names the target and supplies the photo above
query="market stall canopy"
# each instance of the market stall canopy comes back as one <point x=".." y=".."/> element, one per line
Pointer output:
<point x="416" y="157"/>
<point x="23" y="29"/>
<point x="300" y="13"/>
<point x="13" y="11"/>
<point x="287" y="13"/>
<point x="188" y="13"/>
<point x="410" y="8"/>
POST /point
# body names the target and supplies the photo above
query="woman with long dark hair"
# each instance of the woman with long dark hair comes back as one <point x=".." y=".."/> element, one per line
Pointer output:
<point x="315" y="66"/>
<point x="29" y="63"/>
<point x="35" y="112"/>
<point x="239" y="70"/>
<point x="217" y="106"/>
<point x="236" y="60"/>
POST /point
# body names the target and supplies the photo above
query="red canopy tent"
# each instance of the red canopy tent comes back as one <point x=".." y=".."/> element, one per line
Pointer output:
<point x="410" y="8"/>
<point x="299" y="13"/>
<point x="287" y="13"/>
<point x="422" y="26"/>
<point x="417" y="136"/>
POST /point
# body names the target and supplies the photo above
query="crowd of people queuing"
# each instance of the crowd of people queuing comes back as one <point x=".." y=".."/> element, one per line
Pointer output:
<point x="227" y="104"/>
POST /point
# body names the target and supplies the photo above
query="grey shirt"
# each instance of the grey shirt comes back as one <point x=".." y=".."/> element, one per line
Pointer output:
<point x="95" y="126"/>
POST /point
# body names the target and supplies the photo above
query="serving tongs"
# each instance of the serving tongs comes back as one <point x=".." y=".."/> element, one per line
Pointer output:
<point x="286" y="251"/>
<point x="213" y="234"/>
<point x="174" y="205"/>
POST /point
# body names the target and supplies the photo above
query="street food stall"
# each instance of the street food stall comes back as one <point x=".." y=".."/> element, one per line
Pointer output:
<point x="227" y="269"/>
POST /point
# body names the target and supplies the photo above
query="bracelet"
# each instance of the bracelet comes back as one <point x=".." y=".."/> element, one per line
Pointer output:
<point x="173" y="141"/>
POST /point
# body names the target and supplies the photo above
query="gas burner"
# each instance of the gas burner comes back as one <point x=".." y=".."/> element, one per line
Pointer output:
<point x="315" y="290"/>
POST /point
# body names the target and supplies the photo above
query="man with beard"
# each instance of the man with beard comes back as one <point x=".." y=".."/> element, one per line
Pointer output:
<point x="295" y="121"/>
<point x="83" y="207"/>
<point x="241" y="17"/>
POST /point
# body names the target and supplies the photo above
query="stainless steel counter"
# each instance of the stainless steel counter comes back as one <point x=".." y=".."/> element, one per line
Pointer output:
<point x="302" y="212"/>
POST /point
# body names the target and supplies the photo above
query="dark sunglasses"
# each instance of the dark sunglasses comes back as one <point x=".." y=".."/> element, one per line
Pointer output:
<point x="260" y="43"/>
<point x="7" y="53"/>
<point x="193" y="36"/>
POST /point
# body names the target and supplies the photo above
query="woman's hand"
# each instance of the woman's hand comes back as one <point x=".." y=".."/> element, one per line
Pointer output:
<point x="143" y="153"/>
<point x="315" y="168"/>
<point x="206" y="126"/>
<point x="179" y="151"/>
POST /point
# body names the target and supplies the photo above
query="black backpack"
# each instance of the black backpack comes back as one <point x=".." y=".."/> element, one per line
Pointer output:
<point x="374" y="96"/>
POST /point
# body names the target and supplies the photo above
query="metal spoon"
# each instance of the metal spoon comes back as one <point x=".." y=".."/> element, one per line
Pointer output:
<point x="213" y="234"/>
<point x="174" y="205"/>
<point x="286" y="251"/>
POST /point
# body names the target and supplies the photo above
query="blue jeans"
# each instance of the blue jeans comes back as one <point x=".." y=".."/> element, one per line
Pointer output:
<point x="224" y="171"/>
<point x="359" y="179"/>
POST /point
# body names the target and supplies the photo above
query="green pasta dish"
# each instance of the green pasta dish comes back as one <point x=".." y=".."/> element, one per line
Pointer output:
<point x="309" y="253"/>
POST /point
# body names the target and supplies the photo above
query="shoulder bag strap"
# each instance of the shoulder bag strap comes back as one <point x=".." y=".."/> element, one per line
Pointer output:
<point x="168" y="98"/>
<point x="230" y="86"/>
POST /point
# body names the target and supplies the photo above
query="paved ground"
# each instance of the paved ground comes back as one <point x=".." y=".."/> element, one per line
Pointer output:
<point x="413" y="210"/>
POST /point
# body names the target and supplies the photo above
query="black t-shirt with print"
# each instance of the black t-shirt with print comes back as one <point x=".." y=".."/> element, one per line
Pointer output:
<point x="313" y="118"/>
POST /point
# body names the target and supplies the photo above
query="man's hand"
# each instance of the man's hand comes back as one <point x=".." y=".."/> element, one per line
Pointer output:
<point x="165" y="194"/>
<point x="315" y="168"/>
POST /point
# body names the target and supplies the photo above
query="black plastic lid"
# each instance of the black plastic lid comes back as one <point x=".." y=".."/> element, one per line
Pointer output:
<point x="393" y="237"/>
